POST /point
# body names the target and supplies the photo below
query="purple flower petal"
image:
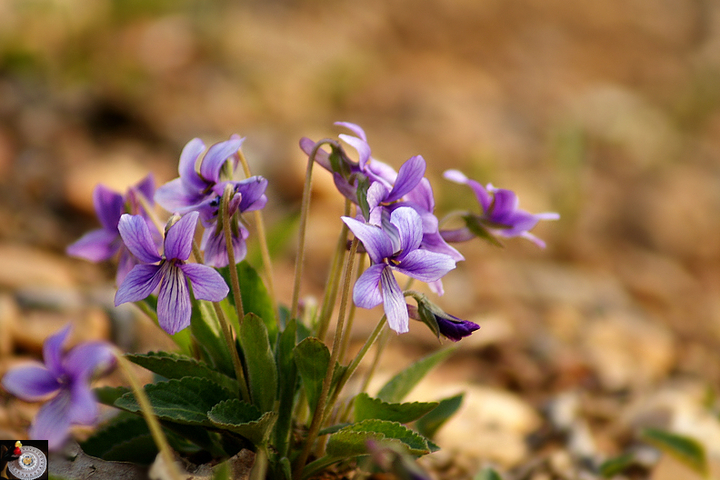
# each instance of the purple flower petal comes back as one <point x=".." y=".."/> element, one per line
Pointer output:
<point x="187" y="166"/>
<point x="434" y="242"/>
<point x="83" y="409"/>
<point x="97" y="246"/>
<point x="376" y="242"/>
<point x="409" y="226"/>
<point x="146" y="187"/>
<point x="361" y="146"/>
<point x="216" y="157"/>
<point x="482" y="195"/>
<point x="139" y="283"/>
<point x="456" y="329"/>
<point x="108" y="207"/>
<point x="422" y="196"/>
<point x="366" y="293"/>
<point x="86" y="359"/>
<point x="175" y="197"/>
<point x="394" y="302"/>
<point x="137" y="238"/>
<point x="52" y="351"/>
<point x="426" y="266"/>
<point x="207" y="283"/>
<point x="126" y="262"/>
<point x="52" y="422"/>
<point x="179" y="238"/>
<point x="31" y="383"/>
<point x="214" y="246"/>
<point x="409" y="176"/>
<point x="356" y="129"/>
<point x="322" y="157"/>
<point x="253" y="193"/>
<point x="173" y="306"/>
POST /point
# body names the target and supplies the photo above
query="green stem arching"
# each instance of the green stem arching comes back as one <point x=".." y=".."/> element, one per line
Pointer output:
<point x="153" y="424"/>
<point x="304" y="213"/>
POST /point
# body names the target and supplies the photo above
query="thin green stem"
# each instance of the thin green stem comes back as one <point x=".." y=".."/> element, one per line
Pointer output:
<point x="153" y="424"/>
<point x="304" y="213"/>
<point x="351" y="316"/>
<point x="262" y="235"/>
<point x="358" y="358"/>
<point x="319" y="414"/>
<point x="234" y="280"/>
<point x="333" y="283"/>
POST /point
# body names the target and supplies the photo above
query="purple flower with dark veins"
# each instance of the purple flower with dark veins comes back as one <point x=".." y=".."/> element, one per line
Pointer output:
<point x="500" y="213"/>
<point x="394" y="247"/>
<point x="67" y="376"/>
<point x="170" y="271"/>
<point x="200" y="188"/>
<point x="102" y="244"/>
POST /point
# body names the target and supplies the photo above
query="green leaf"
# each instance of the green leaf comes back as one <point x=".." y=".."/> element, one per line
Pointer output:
<point x="184" y="401"/>
<point x="363" y="184"/>
<point x="259" y="362"/>
<point x="367" y="407"/>
<point x="244" y="419"/>
<point x="174" y="365"/>
<point x="487" y="474"/>
<point x="287" y="386"/>
<point x="686" y="449"/>
<point x="206" y="330"/>
<point x="431" y="423"/>
<point x="121" y="428"/>
<point x="352" y="441"/>
<point x="255" y="298"/>
<point x="108" y="395"/>
<point x="312" y="358"/>
<point x="401" y="384"/>
<point x="614" y="466"/>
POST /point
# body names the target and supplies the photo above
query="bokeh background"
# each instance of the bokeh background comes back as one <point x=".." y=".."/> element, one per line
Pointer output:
<point x="606" y="112"/>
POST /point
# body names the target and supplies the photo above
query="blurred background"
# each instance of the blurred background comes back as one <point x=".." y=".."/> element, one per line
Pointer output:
<point x="606" y="112"/>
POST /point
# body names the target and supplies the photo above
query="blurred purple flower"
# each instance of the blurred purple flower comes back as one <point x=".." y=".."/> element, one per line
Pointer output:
<point x="500" y="213"/>
<point x="67" y="376"/>
<point x="171" y="274"/>
<point x="394" y="247"/>
<point x="102" y="244"/>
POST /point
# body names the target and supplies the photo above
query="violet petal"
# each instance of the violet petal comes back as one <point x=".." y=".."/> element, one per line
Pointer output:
<point x="52" y="422"/>
<point x="179" y="238"/>
<point x="409" y="175"/>
<point x="139" y="283"/>
<point x="366" y="293"/>
<point x="426" y="266"/>
<point x="31" y="382"/>
<point x="96" y="246"/>
<point x="394" y="302"/>
<point x="108" y="207"/>
<point x="207" y="283"/>
<point x="53" y="351"/>
<point x="173" y="307"/>
<point x="376" y="242"/>
<point x="216" y="157"/>
<point x="137" y="238"/>
<point x="187" y="166"/>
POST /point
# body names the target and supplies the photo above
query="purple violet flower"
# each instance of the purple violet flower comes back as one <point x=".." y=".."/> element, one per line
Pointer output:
<point x="170" y="272"/>
<point x="500" y="213"/>
<point x="200" y="188"/>
<point x="396" y="246"/>
<point x="442" y="323"/>
<point x="66" y="376"/>
<point x="102" y="244"/>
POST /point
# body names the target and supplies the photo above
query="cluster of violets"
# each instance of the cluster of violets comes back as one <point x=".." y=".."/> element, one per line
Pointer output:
<point x="395" y="225"/>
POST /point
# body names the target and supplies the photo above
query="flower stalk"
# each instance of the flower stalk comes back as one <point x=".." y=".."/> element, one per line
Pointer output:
<point x="234" y="280"/>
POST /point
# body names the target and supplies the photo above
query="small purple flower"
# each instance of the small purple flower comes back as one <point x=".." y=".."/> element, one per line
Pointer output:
<point x="102" y="244"/>
<point x="394" y="247"/>
<point x="442" y="323"/>
<point x="500" y="213"/>
<point x="170" y="272"/>
<point x="66" y="376"/>
<point x="201" y="187"/>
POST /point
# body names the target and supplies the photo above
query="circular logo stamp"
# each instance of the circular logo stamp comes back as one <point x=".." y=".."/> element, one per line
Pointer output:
<point x="31" y="464"/>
